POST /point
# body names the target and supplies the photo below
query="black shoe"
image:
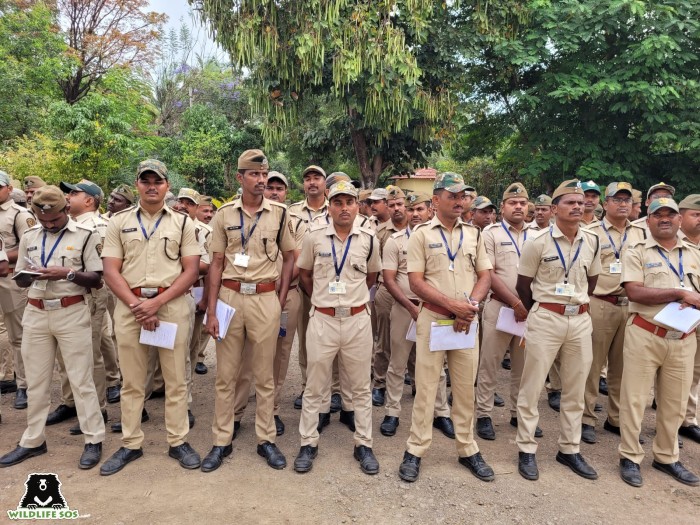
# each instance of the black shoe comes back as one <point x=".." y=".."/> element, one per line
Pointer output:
<point x="407" y="379"/>
<point x="336" y="403"/>
<point x="305" y="459"/>
<point x="576" y="463"/>
<point x="120" y="459"/>
<point x="527" y="466"/>
<point x="279" y="426"/>
<point x="506" y="363"/>
<point x="157" y="394"/>
<point x="630" y="473"/>
<point x="680" y="442"/>
<point x="498" y="400"/>
<point x="92" y="453"/>
<point x="444" y="425"/>
<point x="692" y="432"/>
<point x="190" y="418"/>
<point x="598" y="407"/>
<point x="21" y="399"/>
<point x="20" y="454"/>
<point x="8" y="387"/>
<point x="113" y="394"/>
<point x="368" y="463"/>
<point x="410" y="467"/>
<point x="678" y="472"/>
<point x="201" y="369"/>
<point x="653" y="404"/>
<point x="215" y="458"/>
<point x="588" y="434"/>
<point x="347" y="417"/>
<point x="62" y="413"/>
<point x="186" y="455"/>
<point x="272" y="454"/>
<point x="324" y="419"/>
<point x="389" y="426"/>
<point x="478" y="467"/>
<point x="117" y="427"/>
<point x="298" y="400"/>
<point x="603" y="386"/>
<point x="554" y="399"/>
<point x="484" y="428"/>
<point x="538" y="430"/>
<point x="378" y="396"/>
<point x="236" y="428"/>
<point x="76" y="431"/>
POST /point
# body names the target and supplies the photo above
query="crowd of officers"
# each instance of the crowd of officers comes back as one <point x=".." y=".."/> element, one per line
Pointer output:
<point x="364" y="279"/>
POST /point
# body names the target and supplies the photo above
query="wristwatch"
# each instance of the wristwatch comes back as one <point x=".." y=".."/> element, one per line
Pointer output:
<point x="70" y="276"/>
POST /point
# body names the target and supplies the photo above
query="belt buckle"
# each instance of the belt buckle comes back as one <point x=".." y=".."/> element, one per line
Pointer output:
<point x="571" y="309"/>
<point x="52" y="304"/>
<point x="249" y="288"/>
<point x="342" y="312"/>
<point x="674" y="334"/>
<point x="623" y="301"/>
<point x="148" y="293"/>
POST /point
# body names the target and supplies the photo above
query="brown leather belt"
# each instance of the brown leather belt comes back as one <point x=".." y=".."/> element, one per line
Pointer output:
<point x="565" y="309"/>
<point x="659" y="331"/>
<point x="342" y="312"/>
<point x="147" y="292"/>
<point x="617" y="300"/>
<point x="55" y="304"/>
<point x="248" y="288"/>
<point x="439" y="310"/>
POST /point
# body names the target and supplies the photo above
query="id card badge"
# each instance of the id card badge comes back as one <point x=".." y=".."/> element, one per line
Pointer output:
<point x="337" y="288"/>
<point x="565" y="289"/>
<point x="616" y="267"/>
<point x="241" y="259"/>
<point x="40" y="284"/>
<point x="452" y="266"/>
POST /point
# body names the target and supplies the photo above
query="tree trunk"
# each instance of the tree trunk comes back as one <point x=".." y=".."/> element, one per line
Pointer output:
<point x="359" y="144"/>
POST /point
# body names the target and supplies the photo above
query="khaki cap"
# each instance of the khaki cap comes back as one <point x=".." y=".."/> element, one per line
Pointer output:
<point x="691" y="202"/>
<point x="154" y="166"/>
<point x="661" y="186"/>
<point x="416" y="198"/>
<point x="364" y="194"/>
<point x="343" y="187"/>
<point x="567" y="187"/>
<point x="543" y="200"/>
<point x="482" y="202"/>
<point x="47" y="200"/>
<point x="379" y="194"/>
<point x="315" y="169"/>
<point x="18" y="196"/>
<point x="5" y="179"/>
<point x="636" y="196"/>
<point x="279" y="176"/>
<point x="188" y="193"/>
<point x="125" y="191"/>
<point x="33" y="182"/>
<point x="616" y="187"/>
<point x="515" y="191"/>
<point x="206" y="200"/>
<point x="336" y="177"/>
<point x="252" y="159"/>
<point x="394" y="192"/>
<point x="84" y="185"/>
<point x="663" y="202"/>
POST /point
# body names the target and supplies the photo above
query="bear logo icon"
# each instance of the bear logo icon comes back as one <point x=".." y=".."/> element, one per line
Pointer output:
<point x="43" y="491"/>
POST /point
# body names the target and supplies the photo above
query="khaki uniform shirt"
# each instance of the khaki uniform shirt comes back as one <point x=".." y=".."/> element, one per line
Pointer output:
<point x="14" y="221"/>
<point x="79" y="249"/>
<point x="540" y="260"/>
<point x="395" y="257"/>
<point x="316" y="255"/>
<point x="261" y="246"/>
<point x="203" y="233"/>
<point x="684" y="237"/>
<point x="155" y="262"/>
<point x="609" y="283"/>
<point x="94" y="221"/>
<point x="307" y="214"/>
<point x="642" y="223"/>
<point x="591" y="224"/>
<point x="427" y="254"/>
<point x="300" y="229"/>
<point x="504" y="250"/>
<point x="324" y="219"/>
<point x="643" y="263"/>
<point x="3" y="255"/>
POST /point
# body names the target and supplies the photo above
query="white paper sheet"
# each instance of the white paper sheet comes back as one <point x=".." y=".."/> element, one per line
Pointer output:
<point x="197" y="292"/>
<point x="163" y="336"/>
<point x="411" y="333"/>
<point x="685" y="320"/>
<point x="26" y="272"/>
<point x="506" y="322"/>
<point x="224" y="313"/>
<point x="443" y="336"/>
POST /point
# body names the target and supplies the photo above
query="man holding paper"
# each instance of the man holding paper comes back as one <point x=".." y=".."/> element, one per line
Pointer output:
<point x="660" y="270"/>
<point x="558" y="271"/>
<point x="448" y="269"/>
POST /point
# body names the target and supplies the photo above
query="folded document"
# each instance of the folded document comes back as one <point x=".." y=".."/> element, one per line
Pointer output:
<point x="685" y="320"/>
<point x="444" y="337"/>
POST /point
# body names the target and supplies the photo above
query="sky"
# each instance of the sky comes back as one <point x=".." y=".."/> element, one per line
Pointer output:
<point x="177" y="10"/>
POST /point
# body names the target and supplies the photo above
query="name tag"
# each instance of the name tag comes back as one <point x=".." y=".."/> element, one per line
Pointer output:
<point x="233" y="228"/>
<point x="337" y="288"/>
<point x="565" y="289"/>
<point x="652" y="265"/>
<point x="435" y="245"/>
<point x="40" y="285"/>
<point x="404" y="252"/>
<point x="129" y="230"/>
<point x="616" y="267"/>
<point x="241" y="260"/>
<point x="324" y="254"/>
<point x="32" y="248"/>
<point x="507" y="243"/>
<point x="550" y="259"/>
<point x="605" y="246"/>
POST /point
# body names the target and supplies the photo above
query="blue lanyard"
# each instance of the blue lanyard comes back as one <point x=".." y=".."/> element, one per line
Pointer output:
<point x="451" y="255"/>
<point x="155" y="227"/>
<point x="244" y="241"/>
<point x="561" y="255"/>
<point x="339" y="269"/>
<point x="408" y="232"/>
<point x="612" y="243"/>
<point x="517" y="249"/>
<point x="44" y="260"/>
<point x="679" y="273"/>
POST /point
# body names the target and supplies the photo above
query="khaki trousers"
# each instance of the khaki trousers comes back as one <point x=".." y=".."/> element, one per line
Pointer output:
<point x="301" y="329"/>
<point x="7" y="367"/>
<point x="13" y="300"/>
<point x="401" y="349"/>
<point x="108" y="345"/>
<point x="692" y="411"/>
<point x="192" y="350"/>
<point x="134" y="360"/>
<point x="350" y="339"/>
<point x="550" y="335"/>
<point x="554" y="382"/>
<point x="47" y="331"/>
<point x="608" y="343"/>
<point x="494" y="348"/>
<point x="463" y="366"/>
<point x="648" y="357"/>
<point x="383" y="302"/>
<point x="257" y="320"/>
<point x="204" y="338"/>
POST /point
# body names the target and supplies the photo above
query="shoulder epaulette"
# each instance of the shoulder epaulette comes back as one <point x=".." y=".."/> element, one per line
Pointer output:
<point x="422" y="224"/>
<point x="316" y="227"/>
<point x="123" y="211"/>
<point x="398" y="234"/>
<point x="83" y="227"/>
<point x="278" y="204"/>
<point x="368" y="231"/>
<point x="230" y="203"/>
<point x="35" y="227"/>
<point x="536" y="234"/>
<point x="492" y="226"/>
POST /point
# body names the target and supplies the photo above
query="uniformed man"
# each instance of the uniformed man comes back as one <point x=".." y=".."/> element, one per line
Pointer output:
<point x="6" y="385"/>
<point x="608" y="307"/>
<point x="660" y="190"/>
<point x="655" y="272"/>
<point x="690" y="233"/>
<point x="530" y="212"/>
<point x="120" y="199"/>
<point x="31" y="184"/>
<point x="559" y="267"/>
<point x="64" y="258"/>
<point x="19" y="197"/>
<point x="205" y="213"/>
<point x="483" y="212"/>
<point x="249" y="235"/>
<point x="636" y="205"/>
<point x="543" y="211"/>
<point x="151" y="258"/>
<point x="339" y="272"/>
<point x="504" y="243"/>
<point x="591" y="199"/>
<point x="14" y="221"/>
<point x="448" y="269"/>
<point x="366" y="207"/>
<point x="205" y="209"/>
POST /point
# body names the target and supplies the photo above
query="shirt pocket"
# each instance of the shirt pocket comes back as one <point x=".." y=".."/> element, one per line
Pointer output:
<point x="323" y="267"/>
<point x="233" y="239"/>
<point x="580" y="270"/>
<point x="436" y="259"/>
<point x="133" y="243"/>
<point x="658" y="277"/>
<point x="69" y="258"/>
<point x="506" y="255"/>
<point x="358" y="267"/>
<point x="170" y="244"/>
<point x="267" y="245"/>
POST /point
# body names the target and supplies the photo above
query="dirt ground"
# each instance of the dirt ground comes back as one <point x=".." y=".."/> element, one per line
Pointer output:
<point x="155" y="489"/>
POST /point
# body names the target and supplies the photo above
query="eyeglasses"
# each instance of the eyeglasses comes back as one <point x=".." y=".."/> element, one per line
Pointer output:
<point x="621" y="200"/>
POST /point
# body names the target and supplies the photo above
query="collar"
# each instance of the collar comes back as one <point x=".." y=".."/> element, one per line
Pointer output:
<point x="650" y="242"/>
<point x="85" y="216"/>
<point x="71" y="226"/>
<point x="557" y="233"/>
<point x="526" y="225"/>
<point x="609" y="225"/>
<point x="685" y="239"/>
<point x="306" y="206"/>
<point x="6" y="205"/>
<point x="436" y="222"/>
<point x="165" y="209"/>
<point x="330" y="230"/>
<point x="264" y="205"/>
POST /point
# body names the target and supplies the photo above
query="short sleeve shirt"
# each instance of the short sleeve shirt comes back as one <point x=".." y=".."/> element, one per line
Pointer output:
<point x="613" y="245"/>
<point x="14" y="221"/>
<point x="92" y="220"/>
<point x="307" y="214"/>
<point x="504" y="244"/>
<point x="395" y="258"/>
